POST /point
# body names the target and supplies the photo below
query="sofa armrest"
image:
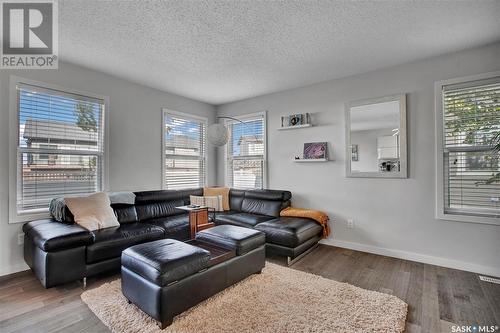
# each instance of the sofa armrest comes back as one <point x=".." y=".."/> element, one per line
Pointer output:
<point x="50" y="235"/>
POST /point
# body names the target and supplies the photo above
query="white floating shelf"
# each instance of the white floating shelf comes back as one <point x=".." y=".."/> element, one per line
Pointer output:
<point x="312" y="160"/>
<point x="294" y="127"/>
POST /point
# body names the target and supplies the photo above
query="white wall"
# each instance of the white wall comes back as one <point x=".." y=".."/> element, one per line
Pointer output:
<point x="134" y="138"/>
<point x="392" y="216"/>
<point x="410" y="231"/>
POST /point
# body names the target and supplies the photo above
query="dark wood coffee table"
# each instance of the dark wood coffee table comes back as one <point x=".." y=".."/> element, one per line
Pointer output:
<point x="217" y="254"/>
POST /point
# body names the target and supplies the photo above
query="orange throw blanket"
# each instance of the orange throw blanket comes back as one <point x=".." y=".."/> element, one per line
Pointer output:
<point x="315" y="215"/>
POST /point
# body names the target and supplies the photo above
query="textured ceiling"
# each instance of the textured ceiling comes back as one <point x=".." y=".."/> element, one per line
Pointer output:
<point x="222" y="51"/>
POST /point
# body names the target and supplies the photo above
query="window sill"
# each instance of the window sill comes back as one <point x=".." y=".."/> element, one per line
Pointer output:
<point x="28" y="216"/>
<point x="468" y="218"/>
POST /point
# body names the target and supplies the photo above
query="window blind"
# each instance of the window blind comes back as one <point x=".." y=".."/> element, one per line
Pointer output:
<point x="60" y="146"/>
<point x="471" y="163"/>
<point x="185" y="150"/>
<point x="246" y="153"/>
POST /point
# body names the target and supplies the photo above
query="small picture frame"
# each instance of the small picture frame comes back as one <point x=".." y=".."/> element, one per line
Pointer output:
<point x="296" y="120"/>
<point x="315" y="150"/>
<point x="354" y="153"/>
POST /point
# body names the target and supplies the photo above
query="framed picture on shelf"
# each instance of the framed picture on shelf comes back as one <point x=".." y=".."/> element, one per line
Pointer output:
<point x="315" y="150"/>
<point x="295" y="120"/>
<point x="354" y="153"/>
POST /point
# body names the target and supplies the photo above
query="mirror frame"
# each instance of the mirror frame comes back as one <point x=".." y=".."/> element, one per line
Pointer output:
<point x="403" y="173"/>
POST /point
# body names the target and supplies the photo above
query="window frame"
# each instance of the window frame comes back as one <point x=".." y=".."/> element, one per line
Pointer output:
<point x="14" y="81"/>
<point x="439" y="150"/>
<point x="248" y="116"/>
<point x="189" y="117"/>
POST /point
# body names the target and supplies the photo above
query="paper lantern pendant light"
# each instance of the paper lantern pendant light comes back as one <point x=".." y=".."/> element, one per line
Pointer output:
<point x="217" y="134"/>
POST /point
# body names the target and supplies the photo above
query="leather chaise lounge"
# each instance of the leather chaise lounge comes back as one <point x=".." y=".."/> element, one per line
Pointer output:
<point x="61" y="252"/>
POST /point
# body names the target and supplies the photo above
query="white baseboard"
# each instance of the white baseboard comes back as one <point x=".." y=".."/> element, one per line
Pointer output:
<point x="13" y="269"/>
<point x="413" y="256"/>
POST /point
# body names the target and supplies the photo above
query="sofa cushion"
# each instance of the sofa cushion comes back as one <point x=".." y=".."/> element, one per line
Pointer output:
<point x="50" y="235"/>
<point x="235" y="199"/>
<point x="283" y="197"/>
<point x="262" y="207"/>
<point x="289" y="231"/>
<point x="242" y="219"/>
<point x="110" y="242"/>
<point x="217" y="214"/>
<point x="273" y="195"/>
<point x="145" y="197"/>
<point x="165" y="261"/>
<point x="125" y="213"/>
<point x="198" y="200"/>
<point x="159" y="209"/>
<point x="242" y="240"/>
<point x="162" y="203"/>
<point x="92" y="212"/>
<point x="176" y="227"/>
<point x="214" y="202"/>
<point x="216" y="191"/>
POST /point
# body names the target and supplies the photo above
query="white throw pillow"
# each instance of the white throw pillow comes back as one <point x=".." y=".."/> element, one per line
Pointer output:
<point x="197" y="200"/>
<point x="214" y="202"/>
<point x="93" y="212"/>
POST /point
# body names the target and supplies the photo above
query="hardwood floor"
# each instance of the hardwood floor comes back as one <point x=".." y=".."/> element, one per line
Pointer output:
<point x="437" y="297"/>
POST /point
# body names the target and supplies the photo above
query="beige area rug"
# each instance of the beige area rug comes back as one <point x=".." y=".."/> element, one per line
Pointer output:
<point x="278" y="300"/>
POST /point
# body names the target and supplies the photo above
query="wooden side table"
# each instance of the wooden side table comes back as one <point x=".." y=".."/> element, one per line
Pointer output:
<point x="198" y="219"/>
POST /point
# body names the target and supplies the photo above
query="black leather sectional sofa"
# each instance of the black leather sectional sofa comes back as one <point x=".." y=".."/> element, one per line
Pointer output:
<point x="60" y="252"/>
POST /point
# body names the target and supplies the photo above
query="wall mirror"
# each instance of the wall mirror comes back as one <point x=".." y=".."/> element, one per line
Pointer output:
<point x="376" y="137"/>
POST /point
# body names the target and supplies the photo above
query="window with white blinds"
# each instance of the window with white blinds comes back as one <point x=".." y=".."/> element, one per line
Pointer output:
<point x="184" y="151"/>
<point x="471" y="139"/>
<point x="60" y="146"/>
<point x="246" y="152"/>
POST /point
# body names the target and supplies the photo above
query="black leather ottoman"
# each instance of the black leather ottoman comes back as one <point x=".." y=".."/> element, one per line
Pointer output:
<point x="240" y="239"/>
<point x="293" y="237"/>
<point x="166" y="277"/>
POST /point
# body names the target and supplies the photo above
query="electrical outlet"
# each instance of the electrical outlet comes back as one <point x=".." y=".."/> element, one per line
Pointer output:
<point x="20" y="239"/>
<point x="350" y="223"/>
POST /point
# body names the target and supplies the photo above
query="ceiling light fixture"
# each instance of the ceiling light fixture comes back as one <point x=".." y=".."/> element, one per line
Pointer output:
<point x="218" y="134"/>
